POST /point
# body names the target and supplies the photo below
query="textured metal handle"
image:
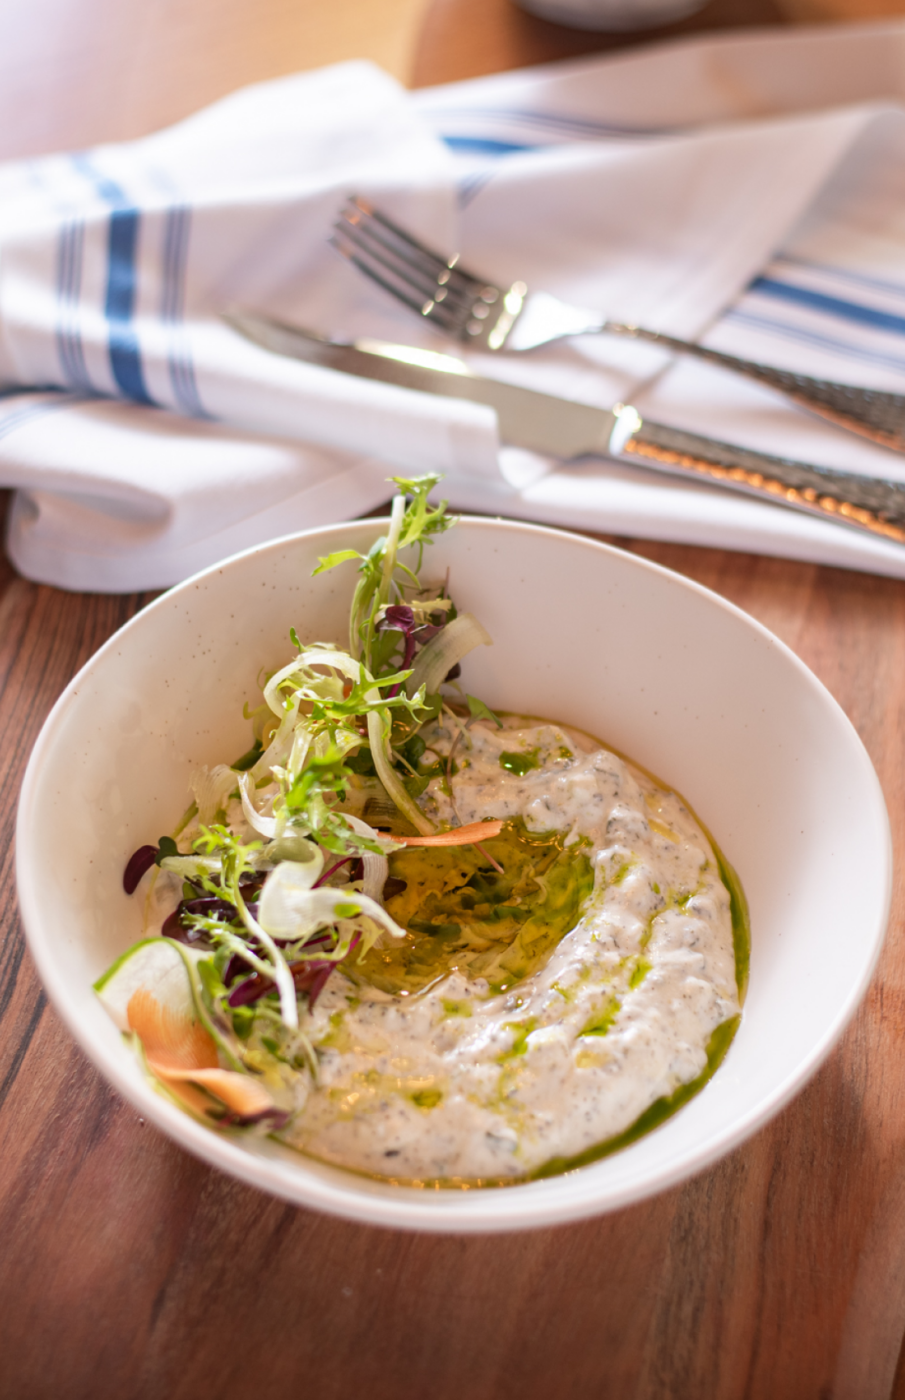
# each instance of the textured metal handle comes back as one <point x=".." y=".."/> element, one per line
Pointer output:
<point x="871" y="413"/>
<point x="866" y="503"/>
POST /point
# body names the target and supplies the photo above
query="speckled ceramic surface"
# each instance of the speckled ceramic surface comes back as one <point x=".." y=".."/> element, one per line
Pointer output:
<point x="654" y="665"/>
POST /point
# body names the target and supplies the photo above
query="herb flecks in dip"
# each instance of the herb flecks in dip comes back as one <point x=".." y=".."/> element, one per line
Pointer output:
<point x="460" y="1082"/>
<point x="418" y="940"/>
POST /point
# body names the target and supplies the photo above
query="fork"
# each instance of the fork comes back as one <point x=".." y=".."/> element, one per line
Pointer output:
<point x="468" y="308"/>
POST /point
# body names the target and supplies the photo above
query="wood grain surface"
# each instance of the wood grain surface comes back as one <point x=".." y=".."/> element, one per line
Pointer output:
<point x="128" y="1269"/>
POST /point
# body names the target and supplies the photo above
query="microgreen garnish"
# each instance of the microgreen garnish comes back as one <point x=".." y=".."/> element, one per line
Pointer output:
<point x="478" y="710"/>
<point x="281" y="878"/>
<point x="383" y="577"/>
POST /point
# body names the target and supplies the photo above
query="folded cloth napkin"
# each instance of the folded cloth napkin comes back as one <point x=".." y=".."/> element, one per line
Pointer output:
<point x="709" y="189"/>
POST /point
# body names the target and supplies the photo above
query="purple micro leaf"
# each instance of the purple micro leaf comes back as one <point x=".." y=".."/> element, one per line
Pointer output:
<point x="399" y="617"/>
<point x="248" y="991"/>
<point x="139" y="862"/>
<point x="322" y="879"/>
<point x="424" y="634"/>
<point x="318" y="983"/>
<point x="174" y="928"/>
<point x="234" y="968"/>
<point x="245" y="1120"/>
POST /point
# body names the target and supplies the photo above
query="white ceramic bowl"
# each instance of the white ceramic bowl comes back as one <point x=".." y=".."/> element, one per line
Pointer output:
<point x="660" y="668"/>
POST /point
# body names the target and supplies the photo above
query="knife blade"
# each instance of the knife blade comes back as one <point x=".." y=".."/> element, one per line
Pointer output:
<point x="562" y="428"/>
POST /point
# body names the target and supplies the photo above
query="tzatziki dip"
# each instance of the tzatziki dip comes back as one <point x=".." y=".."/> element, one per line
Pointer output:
<point x="418" y="939"/>
<point x="459" y="1081"/>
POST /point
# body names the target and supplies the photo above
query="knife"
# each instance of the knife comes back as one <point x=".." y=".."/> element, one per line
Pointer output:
<point x="562" y="428"/>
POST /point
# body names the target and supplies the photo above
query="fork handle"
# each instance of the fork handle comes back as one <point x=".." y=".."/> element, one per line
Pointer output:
<point x="872" y="413"/>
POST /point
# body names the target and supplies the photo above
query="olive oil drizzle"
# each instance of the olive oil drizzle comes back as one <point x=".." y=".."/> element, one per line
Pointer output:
<point x="464" y="916"/>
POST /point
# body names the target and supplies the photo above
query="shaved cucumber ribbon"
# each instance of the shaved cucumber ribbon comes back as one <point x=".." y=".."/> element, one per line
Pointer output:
<point x="211" y="788"/>
<point x="364" y="593"/>
<point x="397" y="516"/>
<point x="291" y="909"/>
<point x="279" y="970"/>
<point x="378" y="720"/>
<point x="312" y="656"/>
<point x="266" y="826"/>
<point x="284" y="895"/>
<point x="288" y="741"/>
<point x="445" y="651"/>
<point x="378" y="732"/>
<point x="191" y="867"/>
<point x="298" y="754"/>
<point x="376" y="867"/>
<point x="378" y="735"/>
<point x="280" y="745"/>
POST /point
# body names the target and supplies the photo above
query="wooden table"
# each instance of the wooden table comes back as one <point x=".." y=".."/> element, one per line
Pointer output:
<point x="128" y="1269"/>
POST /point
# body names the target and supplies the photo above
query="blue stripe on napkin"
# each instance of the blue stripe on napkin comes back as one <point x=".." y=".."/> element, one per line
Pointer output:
<point x="31" y="410"/>
<point x="119" y="306"/>
<point x="469" y="188"/>
<point x="125" y="360"/>
<point x="69" y="282"/>
<point x="568" y="127"/>
<point x="182" y="371"/>
<point x="835" y="306"/>
<point x="484" y="146"/>
<point x="557" y="128"/>
<point x="787" y="331"/>
<point x="847" y="274"/>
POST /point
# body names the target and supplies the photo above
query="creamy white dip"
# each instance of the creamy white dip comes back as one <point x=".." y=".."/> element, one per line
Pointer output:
<point x="458" y="1084"/>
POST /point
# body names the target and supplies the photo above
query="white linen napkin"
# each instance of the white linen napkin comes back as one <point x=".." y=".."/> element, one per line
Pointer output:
<point x="638" y="184"/>
<point x="829" y="301"/>
<point x="114" y="267"/>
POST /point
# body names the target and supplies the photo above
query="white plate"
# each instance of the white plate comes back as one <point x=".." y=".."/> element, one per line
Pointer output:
<point x="662" y="669"/>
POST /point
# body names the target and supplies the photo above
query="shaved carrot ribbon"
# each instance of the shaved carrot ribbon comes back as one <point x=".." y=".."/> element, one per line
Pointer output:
<point x="182" y="1054"/>
<point x="458" y="836"/>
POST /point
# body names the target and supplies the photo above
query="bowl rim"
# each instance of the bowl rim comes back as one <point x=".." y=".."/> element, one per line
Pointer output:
<point x="531" y="1205"/>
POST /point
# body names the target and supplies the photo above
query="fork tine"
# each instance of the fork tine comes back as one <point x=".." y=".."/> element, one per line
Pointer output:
<point x="374" y="249"/>
<point x="414" y="290"/>
<point x="398" y="288"/>
<point x="438" y="282"/>
<point x="428" y="278"/>
<point x="399" y="282"/>
<point x="455" y="300"/>
<point x="371" y="240"/>
<point x="360" y="214"/>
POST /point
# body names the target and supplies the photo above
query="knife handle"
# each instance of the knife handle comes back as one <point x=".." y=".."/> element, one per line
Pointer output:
<point x="864" y="502"/>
